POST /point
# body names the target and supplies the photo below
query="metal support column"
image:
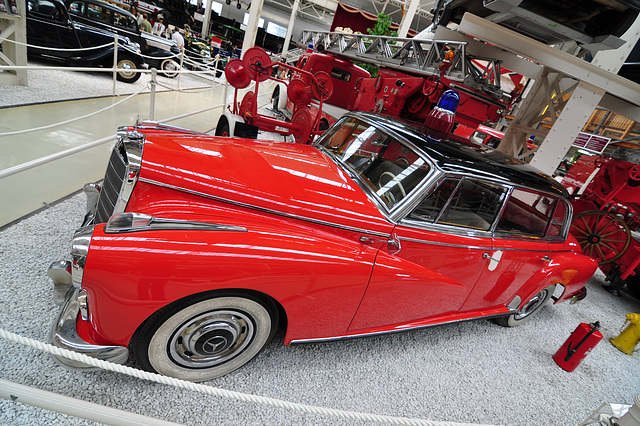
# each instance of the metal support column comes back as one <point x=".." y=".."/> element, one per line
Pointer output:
<point x="287" y="41"/>
<point x="407" y="18"/>
<point x="13" y="28"/>
<point x="576" y="112"/>
<point x="206" y="20"/>
<point x="252" y="28"/>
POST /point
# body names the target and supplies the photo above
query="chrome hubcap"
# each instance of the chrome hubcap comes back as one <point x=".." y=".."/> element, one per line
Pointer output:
<point x="127" y="67"/>
<point x="211" y="339"/>
<point x="532" y="305"/>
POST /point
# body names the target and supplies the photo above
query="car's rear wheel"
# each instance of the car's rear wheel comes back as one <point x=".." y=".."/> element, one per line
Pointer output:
<point x="529" y="309"/>
<point x="128" y="74"/>
<point x="204" y="337"/>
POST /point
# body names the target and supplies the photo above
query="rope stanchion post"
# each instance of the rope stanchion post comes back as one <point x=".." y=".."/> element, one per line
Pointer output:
<point x="115" y="61"/>
<point x="181" y="64"/>
<point x="152" y="102"/>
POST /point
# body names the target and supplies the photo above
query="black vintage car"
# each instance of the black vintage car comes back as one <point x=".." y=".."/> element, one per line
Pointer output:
<point x="50" y="28"/>
<point x="158" y="52"/>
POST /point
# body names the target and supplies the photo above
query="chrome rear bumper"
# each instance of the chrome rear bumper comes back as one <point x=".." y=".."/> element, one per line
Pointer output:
<point x="64" y="333"/>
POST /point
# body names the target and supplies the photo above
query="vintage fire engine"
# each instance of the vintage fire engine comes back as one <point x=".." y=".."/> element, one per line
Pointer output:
<point x="606" y="218"/>
<point x="412" y="77"/>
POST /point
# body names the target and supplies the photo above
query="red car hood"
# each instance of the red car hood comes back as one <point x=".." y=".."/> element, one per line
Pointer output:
<point x="291" y="179"/>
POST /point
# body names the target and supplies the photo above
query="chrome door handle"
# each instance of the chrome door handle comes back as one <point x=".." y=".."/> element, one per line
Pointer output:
<point x="488" y="256"/>
<point x="546" y="259"/>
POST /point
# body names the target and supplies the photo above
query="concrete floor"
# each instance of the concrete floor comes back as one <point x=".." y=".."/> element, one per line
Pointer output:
<point x="29" y="190"/>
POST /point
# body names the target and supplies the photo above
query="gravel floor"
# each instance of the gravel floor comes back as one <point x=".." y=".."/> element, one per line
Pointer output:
<point x="473" y="372"/>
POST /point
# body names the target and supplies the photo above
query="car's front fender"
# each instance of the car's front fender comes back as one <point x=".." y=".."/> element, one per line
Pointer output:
<point x="318" y="278"/>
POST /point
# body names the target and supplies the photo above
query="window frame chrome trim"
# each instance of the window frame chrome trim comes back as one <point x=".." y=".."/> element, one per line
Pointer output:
<point x="395" y="213"/>
<point x="165" y="224"/>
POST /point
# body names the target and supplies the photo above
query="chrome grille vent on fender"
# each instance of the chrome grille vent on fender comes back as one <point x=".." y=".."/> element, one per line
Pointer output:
<point x="121" y="175"/>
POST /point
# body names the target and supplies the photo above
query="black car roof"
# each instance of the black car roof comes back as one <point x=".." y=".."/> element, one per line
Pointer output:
<point x="465" y="157"/>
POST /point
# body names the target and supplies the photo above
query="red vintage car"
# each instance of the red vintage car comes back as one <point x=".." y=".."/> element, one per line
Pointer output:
<point x="199" y="247"/>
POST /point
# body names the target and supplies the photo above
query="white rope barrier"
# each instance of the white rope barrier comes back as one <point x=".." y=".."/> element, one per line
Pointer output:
<point x="178" y="117"/>
<point x="49" y="158"/>
<point x="210" y="390"/>
<point x="2" y="40"/>
<point x="71" y="120"/>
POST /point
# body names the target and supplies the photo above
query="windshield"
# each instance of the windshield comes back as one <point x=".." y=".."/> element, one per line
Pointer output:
<point x="385" y="167"/>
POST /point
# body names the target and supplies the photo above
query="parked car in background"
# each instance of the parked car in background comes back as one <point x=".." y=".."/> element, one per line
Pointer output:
<point x="199" y="247"/>
<point x="52" y="30"/>
<point x="160" y="53"/>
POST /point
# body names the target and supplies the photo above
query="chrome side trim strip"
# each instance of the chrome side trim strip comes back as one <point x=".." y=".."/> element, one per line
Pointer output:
<point x="382" y="333"/>
<point x="497" y="247"/>
<point x="136" y="222"/>
<point x="415" y="240"/>
<point x="262" y="209"/>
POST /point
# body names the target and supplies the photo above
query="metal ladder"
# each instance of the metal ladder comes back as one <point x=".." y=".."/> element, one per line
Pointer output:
<point x="420" y="57"/>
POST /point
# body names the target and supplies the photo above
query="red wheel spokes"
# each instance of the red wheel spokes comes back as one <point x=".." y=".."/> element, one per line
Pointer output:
<point x="602" y="235"/>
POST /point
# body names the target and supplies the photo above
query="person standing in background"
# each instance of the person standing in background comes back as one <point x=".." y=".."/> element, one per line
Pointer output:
<point x="158" y="28"/>
<point x="145" y="25"/>
<point x="177" y="37"/>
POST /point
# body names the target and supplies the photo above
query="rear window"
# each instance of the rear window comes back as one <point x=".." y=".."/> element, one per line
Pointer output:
<point x="532" y="214"/>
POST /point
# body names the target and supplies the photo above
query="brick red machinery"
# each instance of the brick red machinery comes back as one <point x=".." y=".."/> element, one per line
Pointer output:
<point x="606" y="217"/>
<point x="408" y="93"/>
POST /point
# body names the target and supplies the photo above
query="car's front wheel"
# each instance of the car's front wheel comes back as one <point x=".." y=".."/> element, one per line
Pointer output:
<point x="530" y="308"/>
<point x="204" y="337"/>
<point x="128" y="73"/>
<point x="170" y="68"/>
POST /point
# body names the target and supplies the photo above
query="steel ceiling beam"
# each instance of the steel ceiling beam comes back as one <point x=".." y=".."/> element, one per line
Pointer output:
<point x="550" y="58"/>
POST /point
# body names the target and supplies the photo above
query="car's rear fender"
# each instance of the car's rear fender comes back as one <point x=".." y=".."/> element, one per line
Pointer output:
<point x="569" y="269"/>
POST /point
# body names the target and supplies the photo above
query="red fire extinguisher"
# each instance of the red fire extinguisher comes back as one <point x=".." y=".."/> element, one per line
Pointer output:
<point x="578" y="345"/>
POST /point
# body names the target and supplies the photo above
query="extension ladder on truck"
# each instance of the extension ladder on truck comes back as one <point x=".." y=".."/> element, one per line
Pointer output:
<point x="420" y="57"/>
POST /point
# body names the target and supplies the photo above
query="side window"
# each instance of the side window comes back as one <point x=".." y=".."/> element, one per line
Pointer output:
<point x="99" y="13"/>
<point x="528" y="213"/>
<point x="123" y="21"/>
<point x="76" y="7"/>
<point x="474" y="205"/>
<point x="465" y="203"/>
<point x="46" y="9"/>
<point x="429" y="209"/>
<point x="340" y="74"/>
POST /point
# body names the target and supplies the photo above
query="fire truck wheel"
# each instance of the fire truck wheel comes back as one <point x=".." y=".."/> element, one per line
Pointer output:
<point x="528" y="309"/>
<point x="634" y="173"/>
<point x="602" y="236"/>
<point x="222" y="129"/>
<point x="275" y="98"/>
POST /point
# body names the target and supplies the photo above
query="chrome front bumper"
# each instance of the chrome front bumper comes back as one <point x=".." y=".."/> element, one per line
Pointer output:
<point x="64" y="334"/>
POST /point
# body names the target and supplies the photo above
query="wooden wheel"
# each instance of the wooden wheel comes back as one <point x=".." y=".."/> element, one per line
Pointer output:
<point x="603" y="236"/>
